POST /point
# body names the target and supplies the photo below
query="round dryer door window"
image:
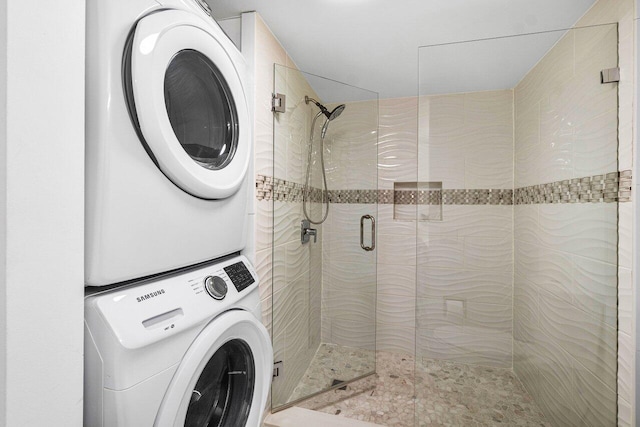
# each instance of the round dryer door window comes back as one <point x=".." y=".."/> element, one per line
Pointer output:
<point x="201" y="109"/>
<point x="224" y="378"/>
<point x="185" y="92"/>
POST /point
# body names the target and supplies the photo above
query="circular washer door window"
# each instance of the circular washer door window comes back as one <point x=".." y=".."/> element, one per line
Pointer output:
<point x="223" y="379"/>
<point x="222" y="395"/>
<point x="186" y="98"/>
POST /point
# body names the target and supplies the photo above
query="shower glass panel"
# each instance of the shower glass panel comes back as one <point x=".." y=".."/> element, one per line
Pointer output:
<point x="324" y="269"/>
<point x="517" y="279"/>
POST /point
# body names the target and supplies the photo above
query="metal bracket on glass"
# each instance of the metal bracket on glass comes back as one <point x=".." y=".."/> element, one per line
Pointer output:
<point x="610" y="75"/>
<point x="373" y="233"/>
<point x="278" y="103"/>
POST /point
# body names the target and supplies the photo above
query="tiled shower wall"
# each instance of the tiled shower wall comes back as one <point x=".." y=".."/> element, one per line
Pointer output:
<point x="349" y="272"/>
<point x="396" y="250"/>
<point x="566" y="274"/>
<point x="465" y="261"/>
<point x="291" y="301"/>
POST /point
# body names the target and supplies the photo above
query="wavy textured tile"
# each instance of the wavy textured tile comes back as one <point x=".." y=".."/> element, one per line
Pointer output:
<point x="525" y="311"/>
<point x="286" y="222"/>
<point x="625" y="235"/>
<point x="396" y="310"/>
<point x="596" y="403"/>
<point x="588" y="230"/>
<point x="350" y="276"/>
<point x="555" y="382"/>
<point x="297" y="262"/>
<point x="432" y="315"/>
<point x="442" y="163"/>
<point x="525" y="223"/>
<point x="554" y="69"/>
<point x="625" y="301"/>
<point x="525" y="367"/>
<point x="527" y="166"/>
<point x="264" y="268"/>
<point x="476" y="349"/>
<point x="489" y="107"/>
<point x="441" y="115"/>
<point x="290" y="306"/>
<point x="386" y="224"/>
<point x="595" y="289"/>
<point x="263" y="225"/>
<point x="395" y="249"/>
<point x="347" y="246"/>
<point x="353" y="330"/>
<point x="478" y="286"/>
<point x="555" y="406"/>
<point x="486" y="253"/>
<point x="550" y="270"/>
<point x="395" y="339"/>
<point x="488" y="318"/>
<point x="626" y="363"/>
<point x="279" y="263"/>
<point x="441" y="252"/>
<point x="595" y="149"/>
<point x="469" y="220"/>
<point x="492" y="167"/>
<point x="589" y="341"/>
<point x="345" y="218"/>
<point x="394" y="279"/>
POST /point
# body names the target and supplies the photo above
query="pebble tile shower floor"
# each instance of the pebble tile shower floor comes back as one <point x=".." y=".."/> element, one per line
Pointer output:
<point x="447" y="394"/>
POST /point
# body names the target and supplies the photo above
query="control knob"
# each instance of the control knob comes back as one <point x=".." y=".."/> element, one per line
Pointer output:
<point x="216" y="287"/>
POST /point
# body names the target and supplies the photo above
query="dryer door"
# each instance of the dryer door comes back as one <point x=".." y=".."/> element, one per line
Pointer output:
<point x="224" y="378"/>
<point x="186" y="98"/>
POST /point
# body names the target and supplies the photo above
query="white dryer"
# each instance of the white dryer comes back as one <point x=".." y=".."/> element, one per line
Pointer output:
<point x="184" y="350"/>
<point x="168" y="140"/>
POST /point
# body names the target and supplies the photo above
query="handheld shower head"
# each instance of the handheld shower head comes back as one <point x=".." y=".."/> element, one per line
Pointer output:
<point x="330" y="115"/>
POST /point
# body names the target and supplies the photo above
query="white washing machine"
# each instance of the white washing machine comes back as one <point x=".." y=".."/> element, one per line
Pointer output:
<point x="168" y="140"/>
<point x="183" y="350"/>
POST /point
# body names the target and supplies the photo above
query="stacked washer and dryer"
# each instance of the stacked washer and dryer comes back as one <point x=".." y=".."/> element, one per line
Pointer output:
<point x="172" y="313"/>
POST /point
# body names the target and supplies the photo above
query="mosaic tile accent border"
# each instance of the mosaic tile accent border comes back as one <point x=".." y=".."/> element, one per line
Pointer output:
<point x="270" y="188"/>
<point x="608" y="188"/>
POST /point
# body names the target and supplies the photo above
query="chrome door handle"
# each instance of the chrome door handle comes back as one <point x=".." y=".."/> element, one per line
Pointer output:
<point x="373" y="233"/>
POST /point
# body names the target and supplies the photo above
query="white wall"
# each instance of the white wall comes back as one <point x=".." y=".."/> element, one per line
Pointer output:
<point x="42" y="204"/>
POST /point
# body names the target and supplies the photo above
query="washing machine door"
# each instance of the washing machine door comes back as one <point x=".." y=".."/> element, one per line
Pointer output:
<point x="184" y="90"/>
<point x="224" y="378"/>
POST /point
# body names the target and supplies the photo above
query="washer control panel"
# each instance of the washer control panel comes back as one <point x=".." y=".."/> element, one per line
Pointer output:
<point x="216" y="287"/>
<point x="240" y="275"/>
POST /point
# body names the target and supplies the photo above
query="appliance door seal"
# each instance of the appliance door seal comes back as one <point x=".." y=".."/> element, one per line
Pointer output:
<point x="190" y="103"/>
<point x="237" y="337"/>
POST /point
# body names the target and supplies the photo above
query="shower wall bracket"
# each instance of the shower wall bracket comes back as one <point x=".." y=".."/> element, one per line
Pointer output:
<point x="610" y="75"/>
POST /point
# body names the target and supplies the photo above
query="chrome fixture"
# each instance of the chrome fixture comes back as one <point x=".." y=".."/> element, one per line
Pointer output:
<point x="329" y="116"/>
<point x="278" y="102"/>
<point x="373" y="233"/>
<point x="306" y="232"/>
<point x="610" y="75"/>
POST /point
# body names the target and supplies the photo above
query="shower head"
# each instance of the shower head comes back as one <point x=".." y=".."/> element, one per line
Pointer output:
<point x="330" y="115"/>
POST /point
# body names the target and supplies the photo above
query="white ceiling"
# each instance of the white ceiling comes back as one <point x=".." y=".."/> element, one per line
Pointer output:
<point x="373" y="44"/>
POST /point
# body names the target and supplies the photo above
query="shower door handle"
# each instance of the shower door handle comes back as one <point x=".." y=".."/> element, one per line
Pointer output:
<point x="373" y="233"/>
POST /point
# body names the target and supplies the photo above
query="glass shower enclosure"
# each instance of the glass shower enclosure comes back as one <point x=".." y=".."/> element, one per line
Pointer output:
<point x="324" y="257"/>
<point x="517" y="253"/>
